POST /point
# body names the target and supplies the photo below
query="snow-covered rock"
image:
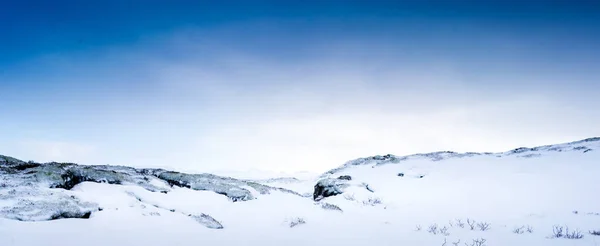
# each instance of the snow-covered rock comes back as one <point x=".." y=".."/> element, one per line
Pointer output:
<point x="582" y="146"/>
<point x="432" y="203"/>
<point x="329" y="187"/>
<point x="32" y="191"/>
<point x="207" y="221"/>
<point x="28" y="204"/>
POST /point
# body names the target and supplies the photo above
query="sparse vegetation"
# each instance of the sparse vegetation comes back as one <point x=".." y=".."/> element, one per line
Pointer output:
<point x="444" y="231"/>
<point x="329" y="206"/>
<point x="529" y="229"/>
<point x="433" y="229"/>
<point x="563" y="232"/>
<point x="576" y="234"/>
<point x="471" y="224"/>
<point x="483" y="226"/>
<point x="557" y="231"/>
<point x="372" y="201"/>
<point x="296" y="222"/>
<point x="595" y="232"/>
<point x="523" y="229"/>
<point x="519" y="230"/>
<point x="418" y="228"/>
<point x="477" y="242"/>
<point x="459" y="223"/>
<point x="456" y="243"/>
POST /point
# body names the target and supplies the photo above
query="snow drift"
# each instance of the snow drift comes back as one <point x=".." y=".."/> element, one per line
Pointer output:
<point x="527" y="196"/>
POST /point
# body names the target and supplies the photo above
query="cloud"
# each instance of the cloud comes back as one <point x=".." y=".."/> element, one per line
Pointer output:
<point x="197" y="105"/>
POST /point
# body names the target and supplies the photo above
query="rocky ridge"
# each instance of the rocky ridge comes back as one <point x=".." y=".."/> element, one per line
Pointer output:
<point x="330" y="184"/>
<point x="31" y="191"/>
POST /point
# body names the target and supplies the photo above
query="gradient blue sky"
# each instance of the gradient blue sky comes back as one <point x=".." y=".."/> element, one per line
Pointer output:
<point x="292" y="85"/>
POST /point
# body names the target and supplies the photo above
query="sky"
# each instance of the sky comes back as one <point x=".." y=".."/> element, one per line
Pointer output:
<point x="291" y="86"/>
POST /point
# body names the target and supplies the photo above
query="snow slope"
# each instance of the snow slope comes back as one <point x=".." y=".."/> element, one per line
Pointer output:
<point x="535" y="188"/>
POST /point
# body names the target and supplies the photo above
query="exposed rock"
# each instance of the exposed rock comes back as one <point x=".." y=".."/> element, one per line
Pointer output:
<point x="25" y="165"/>
<point x="519" y="150"/>
<point x="68" y="175"/>
<point x="72" y="215"/>
<point x="345" y="177"/>
<point x="35" y="205"/>
<point x="220" y="185"/>
<point x="230" y="187"/>
<point x="207" y="221"/>
<point x="34" y="191"/>
<point x="329" y="187"/>
<point x="76" y="176"/>
<point x="7" y="160"/>
<point x="379" y="160"/>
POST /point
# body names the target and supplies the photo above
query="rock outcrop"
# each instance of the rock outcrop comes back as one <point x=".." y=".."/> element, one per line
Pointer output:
<point x="207" y="221"/>
<point x="32" y="191"/>
<point x="329" y="187"/>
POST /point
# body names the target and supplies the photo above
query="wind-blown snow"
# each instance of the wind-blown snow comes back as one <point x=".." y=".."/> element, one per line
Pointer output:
<point x="527" y="187"/>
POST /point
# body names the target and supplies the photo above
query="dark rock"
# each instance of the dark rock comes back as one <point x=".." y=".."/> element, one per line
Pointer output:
<point x="39" y="191"/>
<point x="221" y="185"/>
<point x="207" y="221"/>
<point x="519" y="150"/>
<point x="591" y="139"/>
<point x="71" y="215"/>
<point x="328" y="187"/>
<point x="7" y="160"/>
<point x="25" y="165"/>
<point x="345" y="177"/>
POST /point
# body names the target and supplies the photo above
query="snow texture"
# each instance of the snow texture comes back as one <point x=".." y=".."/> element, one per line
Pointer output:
<point x="35" y="192"/>
<point x="526" y="196"/>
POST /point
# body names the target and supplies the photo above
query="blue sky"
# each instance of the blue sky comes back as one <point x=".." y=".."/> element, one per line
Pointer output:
<point x="290" y="85"/>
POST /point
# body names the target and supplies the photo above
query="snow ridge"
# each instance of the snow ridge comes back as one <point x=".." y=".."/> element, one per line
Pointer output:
<point x="585" y="145"/>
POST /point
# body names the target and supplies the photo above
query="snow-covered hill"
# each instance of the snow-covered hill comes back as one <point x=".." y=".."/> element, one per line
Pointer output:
<point x="520" y="197"/>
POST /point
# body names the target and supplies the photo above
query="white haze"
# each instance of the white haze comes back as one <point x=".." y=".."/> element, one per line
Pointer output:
<point x="210" y="107"/>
